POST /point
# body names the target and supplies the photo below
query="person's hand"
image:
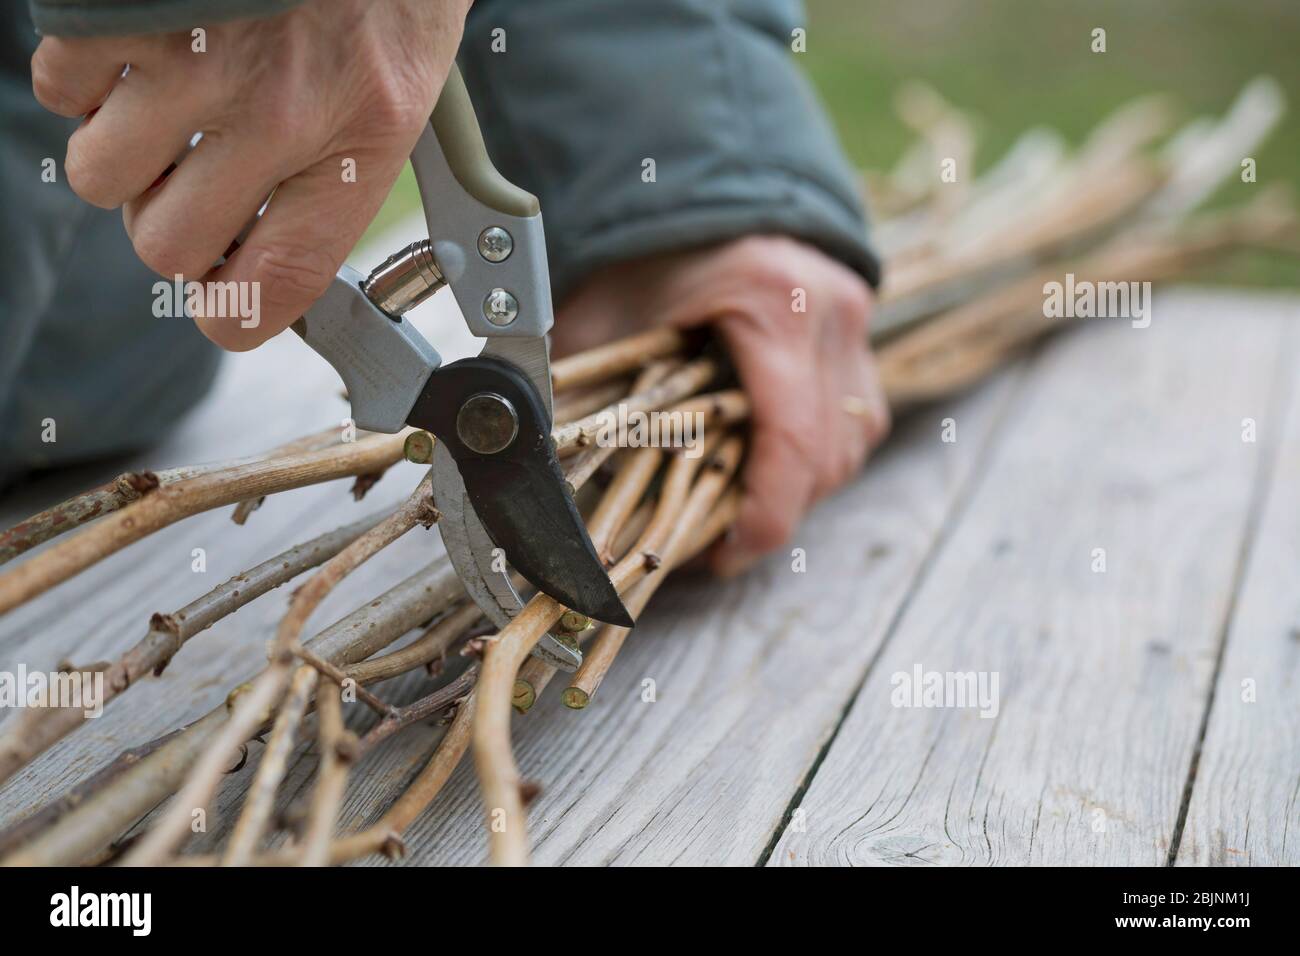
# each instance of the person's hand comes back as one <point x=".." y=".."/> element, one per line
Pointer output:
<point x="818" y="408"/>
<point x="289" y="103"/>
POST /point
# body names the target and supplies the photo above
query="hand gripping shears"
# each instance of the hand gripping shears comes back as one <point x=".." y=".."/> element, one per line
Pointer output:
<point x="496" y="479"/>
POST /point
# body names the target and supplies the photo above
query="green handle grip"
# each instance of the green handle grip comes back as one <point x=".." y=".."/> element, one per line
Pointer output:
<point x="458" y="133"/>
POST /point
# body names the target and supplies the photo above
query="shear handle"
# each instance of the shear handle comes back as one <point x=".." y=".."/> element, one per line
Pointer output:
<point x="485" y="233"/>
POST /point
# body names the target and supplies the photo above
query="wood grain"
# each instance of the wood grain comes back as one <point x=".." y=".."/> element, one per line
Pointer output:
<point x="1124" y="439"/>
<point x="1245" y="802"/>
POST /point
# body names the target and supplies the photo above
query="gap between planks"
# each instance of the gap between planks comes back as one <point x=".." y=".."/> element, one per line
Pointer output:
<point x="1264" y="482"/>
<point x="961" y="499"/>
<point x="1148" y="399"/>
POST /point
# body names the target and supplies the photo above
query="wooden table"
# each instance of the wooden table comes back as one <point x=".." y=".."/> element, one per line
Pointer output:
<point x="1147" y="713"/>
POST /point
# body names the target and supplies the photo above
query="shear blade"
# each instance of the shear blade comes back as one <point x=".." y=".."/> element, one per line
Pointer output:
<point x="527" y="513"/>
<point x="471" y="553"/>
<point x="518" y="494"/>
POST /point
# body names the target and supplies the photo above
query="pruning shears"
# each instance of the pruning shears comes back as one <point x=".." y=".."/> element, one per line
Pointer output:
<point x="496" y="479"/>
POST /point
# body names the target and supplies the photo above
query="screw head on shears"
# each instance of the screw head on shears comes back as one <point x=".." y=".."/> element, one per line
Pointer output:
<point x="495" y="244"/>
<point x="500" y="307"/>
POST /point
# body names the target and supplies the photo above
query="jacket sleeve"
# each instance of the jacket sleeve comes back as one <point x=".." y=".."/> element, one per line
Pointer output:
<point x="79" y="18"/>
<point x="575" y="98"/>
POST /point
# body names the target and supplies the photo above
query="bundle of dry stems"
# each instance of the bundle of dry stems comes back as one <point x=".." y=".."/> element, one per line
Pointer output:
<point x="967" y="263"/>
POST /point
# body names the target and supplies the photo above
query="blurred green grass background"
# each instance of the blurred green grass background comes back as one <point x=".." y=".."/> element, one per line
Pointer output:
<point x="1014" y="64"/>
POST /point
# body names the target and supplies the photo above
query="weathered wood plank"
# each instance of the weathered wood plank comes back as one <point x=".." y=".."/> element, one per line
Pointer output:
<point x="1127" y="440"/>
<point x="750" y="676"/>
<point x="1245" y="807"/>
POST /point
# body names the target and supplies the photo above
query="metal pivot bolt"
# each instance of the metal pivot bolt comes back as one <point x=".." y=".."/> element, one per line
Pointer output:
<point x="487" y="423"/>
<point x="495" y="244"/>
<point x="500" y="307"/>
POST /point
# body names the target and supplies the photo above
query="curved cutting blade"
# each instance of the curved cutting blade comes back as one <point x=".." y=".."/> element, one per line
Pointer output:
<point x="527" y="512"/>
<point x="473" y="555"/>
<point x="514" y="506"/>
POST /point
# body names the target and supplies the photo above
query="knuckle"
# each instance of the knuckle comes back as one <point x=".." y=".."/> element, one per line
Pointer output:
<point x="77" y="166"/>
<point x="86" y="175"/>
<point x="770" y="531"/>
<point x="853" y="304"/>
<point x="159" y="251"/>
<point x="879" y="424"/>
<point x="833" y="470"/>
<point x="49" y="89"/>
<point x="394" y="105"/>
<point x="839" y="466"/>
<point x="780" y="279"/>
<point x="775" y="263"/>
<point x="292" y="278"/>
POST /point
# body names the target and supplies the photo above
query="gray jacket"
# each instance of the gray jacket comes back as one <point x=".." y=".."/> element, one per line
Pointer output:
<point x="583" y="95"/>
